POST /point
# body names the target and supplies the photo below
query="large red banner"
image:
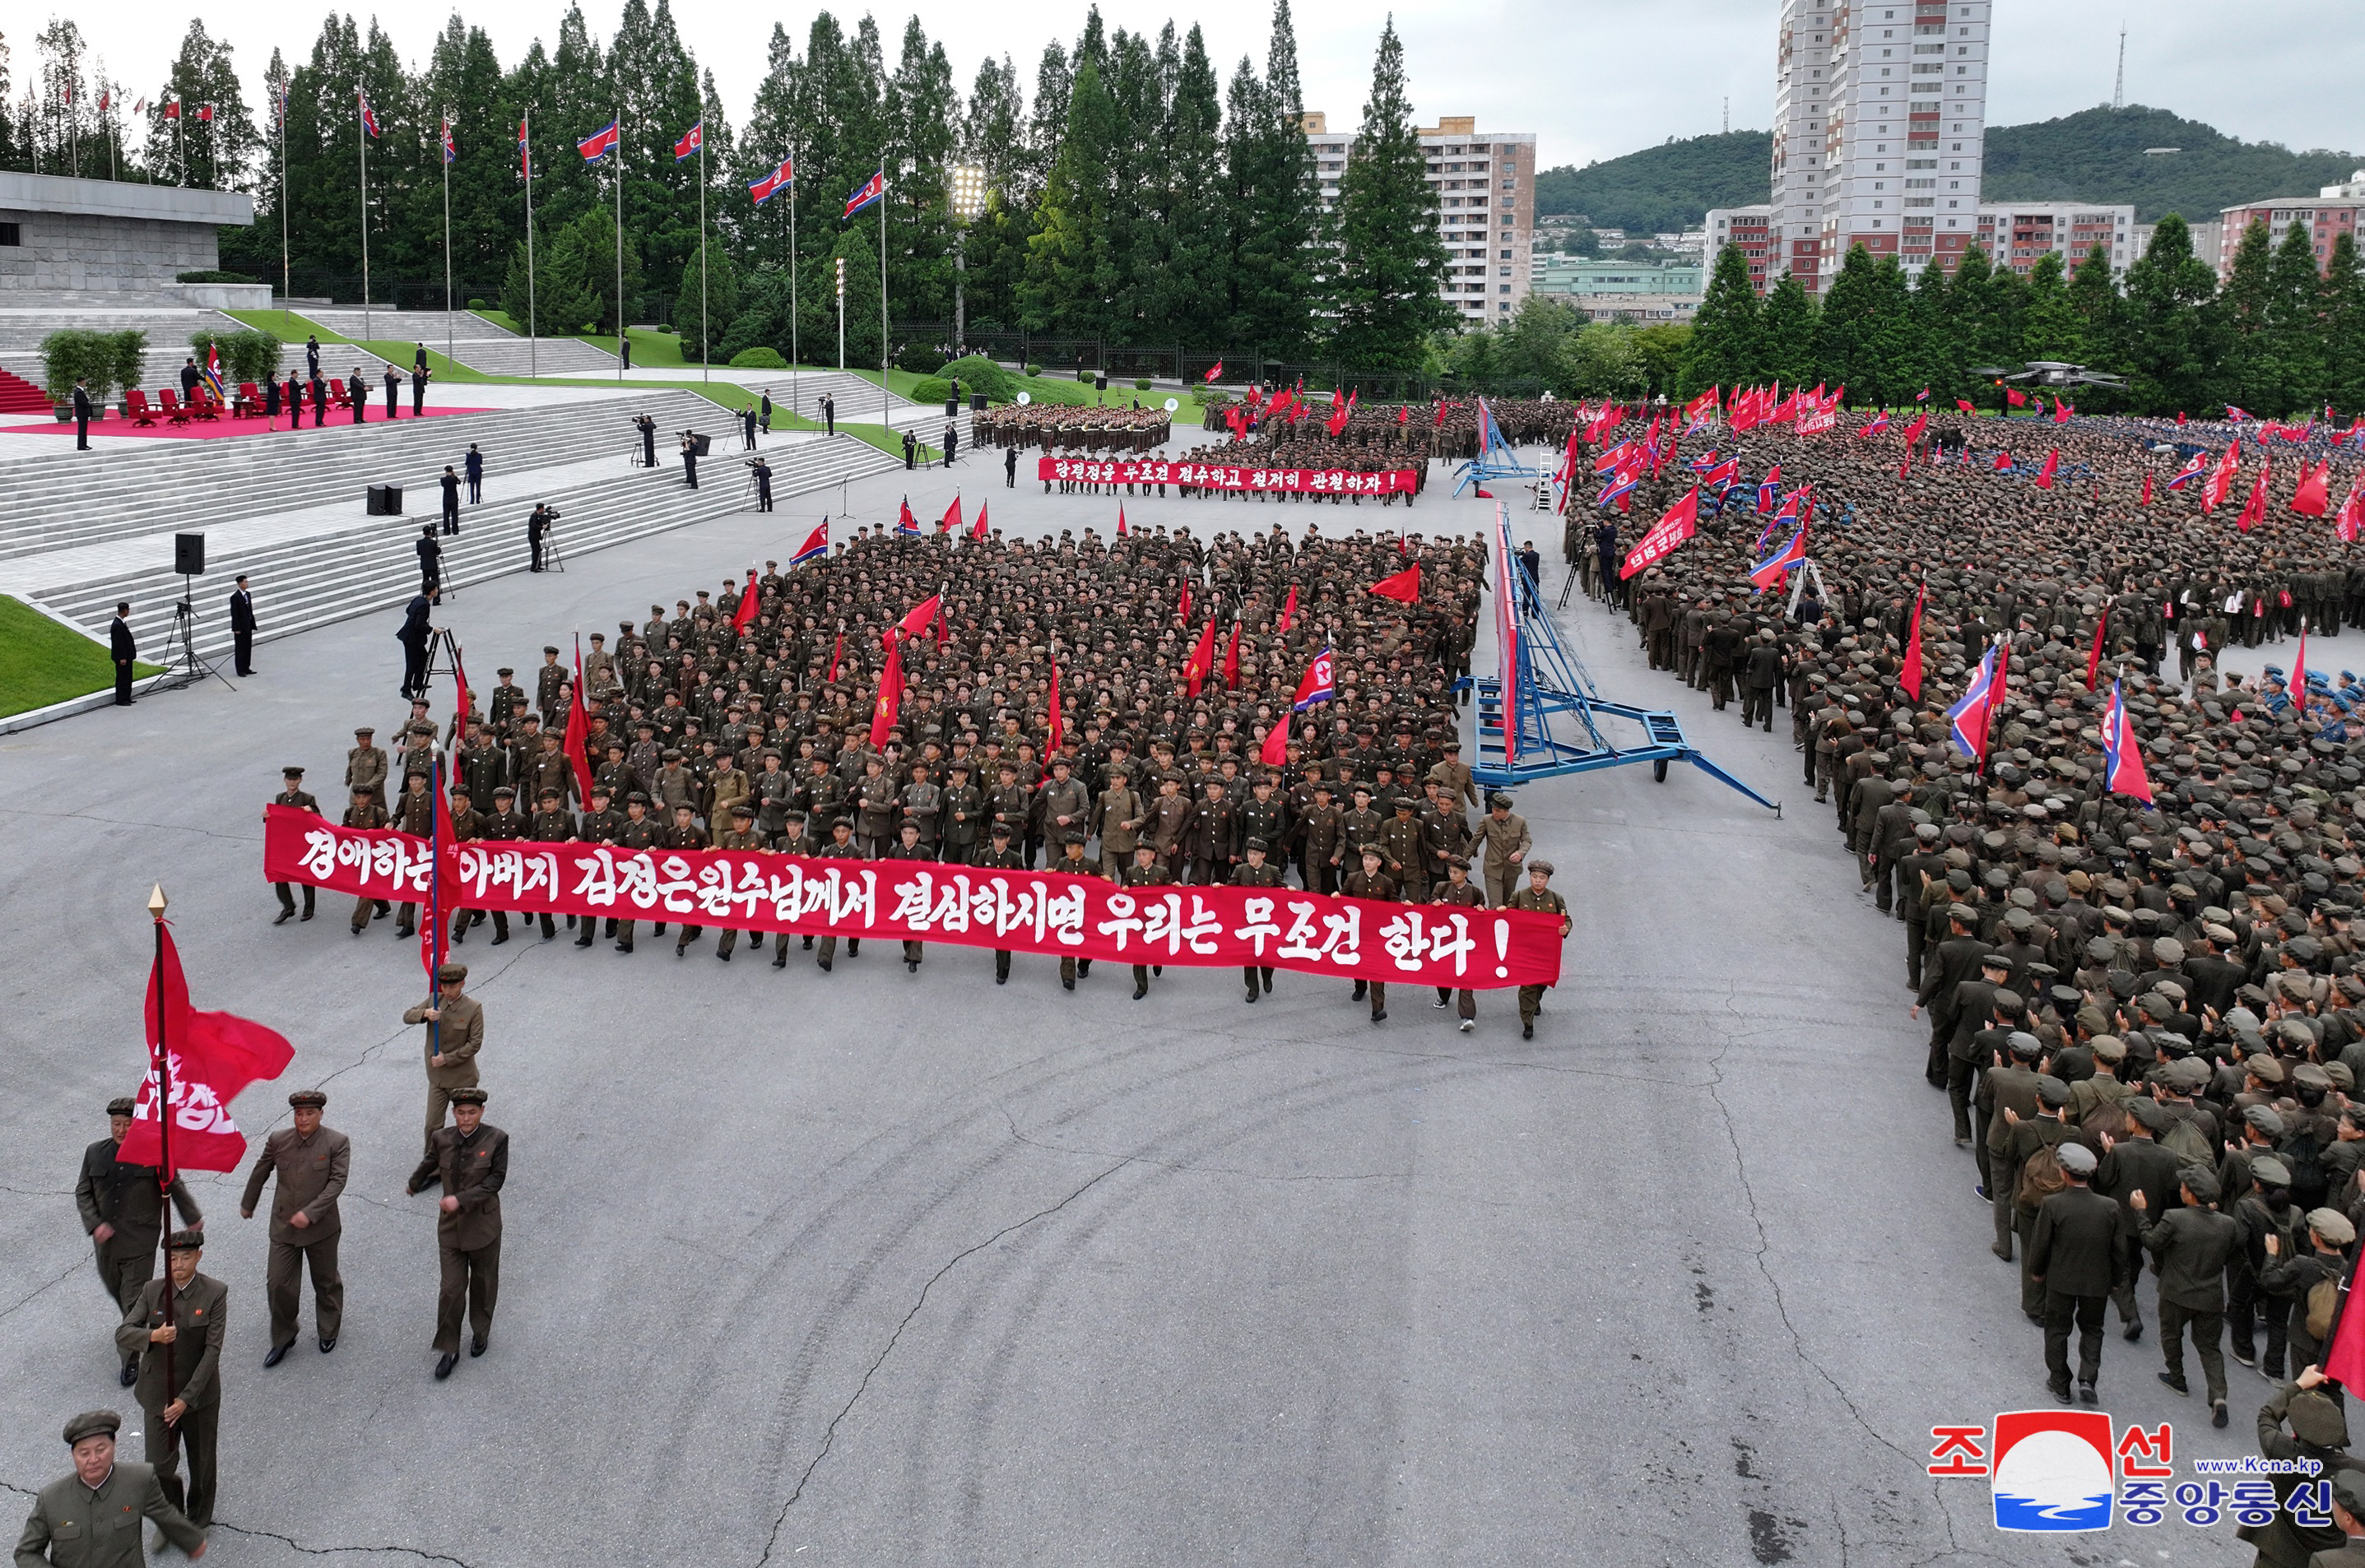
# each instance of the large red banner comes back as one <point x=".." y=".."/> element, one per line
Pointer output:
<point x="1229" y="476"/>
<point x="1023" y="911"/>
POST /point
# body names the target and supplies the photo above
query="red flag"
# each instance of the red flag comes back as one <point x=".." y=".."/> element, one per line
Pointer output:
<point x="1997" y="693"/>
<point x="2014" y="397"/>
<point x="1232" y="658"/>
<point x="1289" y="609"/>
<point x="1914" y="431"/>
<point x="2094" y="655"/>
<point x="952" y="518"/>
<point x="2147" y="490"/>
<point x="459" y="697"/>
<point x="836" y="654"/>
<point x="2313" y="497"/>
<point x="1120" y="520"/>
<point x="434" y="924"/>
<point x="2002" y="460"/>
<point x="2044" y="474"/>
<point x="977" y="530"/>
<point x="579" y="731"/>
<point x="2254" y="511"/>
<point x="211" y="1057"/>
<point x="1403" y="587"/>
<point x="2352" y="514"/>
<point x="890" y="695"/>
<point x="745" y="616"/>
<point x="2299" y="673"/>
<point x="1274" y="752"/>
<point x="1214" y="371"/>
<point x="2343" y="1348"/>
<point x="2061" y="409"/>
<point x="1672" y="529"/>
<point x="1908" y="674"/>
<point x="1965" y="406"/>
<point x="922" y="616"/>
<point x="1183" y="611"/>
<point x="2220" y="483"/>
<point x="1203" y="660"/>
<point x="1057" y="727"/>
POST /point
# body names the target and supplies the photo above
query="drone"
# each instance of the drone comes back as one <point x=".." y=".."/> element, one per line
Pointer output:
<point x="2052" y="373"/>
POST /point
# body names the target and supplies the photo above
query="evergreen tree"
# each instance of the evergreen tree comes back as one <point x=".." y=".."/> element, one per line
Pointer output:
<point x="1068" y="278"/>
<point x="1186" y="302"/>
<point x="1966" y="327"/>
<point x="772" y="135"/>
<point x="2252" y="375"/>
<point x="2169" y="337"/>
<point x="920" y="108"/>
<point x="2294" y="323"/>
<point x="1276" y="217"/>
<point x="2048" y="328"/>
<point x="2095" y="302"/>
<point x="1135" y="240"/>
<point x="857" y="246"/>
<point x="1844" y="340"/>
<point x="1390" y="262"/>
<point x="720" y="300"/>
<point x="1787" y="332"/>
<point x="2344" y="329"/>
<point x="1726" y="349"/>
<point x="1055" y="81"/>
<point x="210" y="154"/>
<point x="578" y="269"/>
<point x="2002" y="316"/>
<point x="1933" y="361"/>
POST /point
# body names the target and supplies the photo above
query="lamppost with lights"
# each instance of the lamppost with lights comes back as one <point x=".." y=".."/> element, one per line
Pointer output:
<point x="967" y="184"/>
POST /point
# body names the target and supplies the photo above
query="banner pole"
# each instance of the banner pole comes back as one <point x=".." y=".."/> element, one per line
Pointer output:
<point x="163" y="1103"/>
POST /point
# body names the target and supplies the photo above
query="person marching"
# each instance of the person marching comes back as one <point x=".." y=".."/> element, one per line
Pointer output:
<point x="311" y="1162"/>
<point x="455" y="1034"/>
<point x="1255" y="872"/>
<point x="293" y="795"/>
<point x="122" y="1208"/>
<point x="79" y="1519"/>
<point x="470" y="1161"/>
<point x="179" y="1381"/>
<point x="1537" y="896"/>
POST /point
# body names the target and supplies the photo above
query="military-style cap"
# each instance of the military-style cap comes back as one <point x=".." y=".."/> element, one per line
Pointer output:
<point x="2007" y="1000"/>
<point x="505" y="670"/>
<point x="2348" y="1487"/>
<point x="2269" y="1171"/>
<point x="2109" y="1048"/>
<point x="2053" y="1092"/>
<point x="121" y="1105"/>
<point x="93" y="1424"/>
<point x="2077" y="1160"/>
<point x="2265" y="1069"/>
<point x="364" y="730"/>
<point x="546" y="648"/>
<point x="471" y="1095"/>
<point x="1498" y="800"/>
<point x="186" y="1241"/>
<point x="1543" y="867"/>
<point x="504" y="792"/>
<point x="2332" y="1224"/>
<point x="450" y="973"/>
<point x="291" y="773"/>
<point x="1000" y="829"/>
<point x="2149" y="1113"/>
<point x="1451" y="859"/>
<point x="1259" y="844"/>
<point x="308" y="1099"/>
<point x="742" y="809"/>
<point x="636" y="797"/>
<point x="2266" y="1118"/>
<point x="2202" y="1182"/>
<point x="2315" y="1418"/>
<point x="1075" y="835"/>
<point x="2024" y="1044"/>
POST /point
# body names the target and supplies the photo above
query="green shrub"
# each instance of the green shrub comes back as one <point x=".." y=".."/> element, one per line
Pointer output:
<point x="978" y="374"/>
<point x="931" y="390"/>
<point x="758" y="359"/>
<point x="246" y="356"/>
<point x="106" y="360"/>
<point x="919" y="359"/>
<point x="213" y="277"/>
<point x="1141" y="384"/>
<point x="477" y="305"/>
<point x="1034" y="370"/>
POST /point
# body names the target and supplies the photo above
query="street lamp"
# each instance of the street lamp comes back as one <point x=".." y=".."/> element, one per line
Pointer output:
<point x="967" y="186"/>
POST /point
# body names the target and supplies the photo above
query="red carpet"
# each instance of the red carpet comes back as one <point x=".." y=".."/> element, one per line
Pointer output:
<point x="216" y="430"/>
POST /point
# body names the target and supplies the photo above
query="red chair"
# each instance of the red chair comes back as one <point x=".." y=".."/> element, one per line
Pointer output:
<point x="135" y="402"/>
<point x="174" y="414"/>
<point x="337" y="397"/>
<point x="202" y="404"/>
<point x="250" y="402"/>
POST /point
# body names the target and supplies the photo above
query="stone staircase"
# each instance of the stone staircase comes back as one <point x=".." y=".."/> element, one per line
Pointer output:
<point x="61" y="500"/>
<point x="169" y="329"/>
<point x="369" y="565"/>
<point x="475" y="342"/>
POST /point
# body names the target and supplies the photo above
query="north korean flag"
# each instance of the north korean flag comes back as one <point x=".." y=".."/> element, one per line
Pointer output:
<point x="1878" y="425"/>
<point x="2122" y="768"/>
<point x="369" y="116"/>
<point x="451" y="152"/>
<point x="600" y="143"/>
<point x="691" y="142"/>
<point x="869" y="191"/>
<point x="1774" y="570"/>
<point x="1769" y="489"/>
<point x="2189" y="472"/>
<point x="1315" y="684"/>
<point x="1968" y="716"/>
<point x="906" y="525"/>
<point x="768" y="188"/>
<point x="814" y="548"/>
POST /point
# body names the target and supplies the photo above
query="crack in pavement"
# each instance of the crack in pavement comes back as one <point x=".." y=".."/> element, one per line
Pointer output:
<point x="829" y="1433"/>
<point x="119" y="821"/>
<point x="1196" y="1170"/>
<point x="40" y="1290"/>
<point x="293" y="1545"/>
<point x="1781" y="1307"/>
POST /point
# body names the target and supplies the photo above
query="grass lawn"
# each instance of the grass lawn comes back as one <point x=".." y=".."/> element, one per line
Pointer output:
<point x="42" y="662"/>
<point x="1061" y="389"/>
<point x="285" y="325"/>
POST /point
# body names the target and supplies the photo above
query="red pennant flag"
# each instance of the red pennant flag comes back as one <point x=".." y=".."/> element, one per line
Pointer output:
<point x="1964" y="404"/>
<point x="890" y="695"/>
<point x="2002" y="460"/>
<point x="578" y="730"/>
<point x="1055" y="727"/>
<point x="2313" y="497"/>
<point x="1403" y="587"/>
<point x="836" y="656"/>
<point x="1183" y="611"/>
<point x="745" y="616"/>
<point x="2146" y="489"/>
<point x="952" y="518"/>
<point x="434" y="924"/>
<point x="2344" y="1347"/>
<point x="2352" y="514"/>
<point x="210" y="1057"/>
<point x="2299" y="672"/>
<point x="459" y="697"/>
<point x="1908" y="674"/>
<point x="2094" y="655"/>
<point x="1232" y="658"/>
<point x="1289" y="610"/>
<point x="2014" y="397"/>
<point x="1120" y="520"/>
<point x="1203" y="660"/>
<point x="1214" y="371"/>
<point x="978" y="529"/>
<point x="2220" y="483"/>
<point x="1676" y="525"/>
<point x="2044" y="474"/>
<point x="1274" y="752"/>
<point x="920" y="616"/>
<point x="2254" y="511"/>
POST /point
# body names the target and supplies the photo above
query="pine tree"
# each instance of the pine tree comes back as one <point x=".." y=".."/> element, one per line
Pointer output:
<point x="2344" y="329"/>
<point x="920" y="108"/>
<point x="2001" y="314"/>
<point x="1933" y="362"/>
<point x="1065" y="285"/>
<point x="2169" y="336"/>
<point x="722" y="300"/>
<point x="2294" y="323"/>
<point x="1966" y="327"/>
<point x="1788" y="333"/>
<point x="2048" y="328"/>
<point x="1277" y="289"/>
<point x="1845" y="347"/>
<point x="2095" y="302"/>
<point x="213" y="154"/>
<point x="1725" y="343"/>
<point x="2251" y="376"/>
<point x="1187" y="303"/>
<point x="1390" y="262"/>
<point x="1135" y="238"/>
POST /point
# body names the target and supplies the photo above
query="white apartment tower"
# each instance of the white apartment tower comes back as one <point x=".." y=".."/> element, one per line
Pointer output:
<point x="1879" y="116"/>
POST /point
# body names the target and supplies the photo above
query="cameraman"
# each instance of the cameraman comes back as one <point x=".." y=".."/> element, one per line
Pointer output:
<point x="538" y="524"/>
<point x="763" y="473"/>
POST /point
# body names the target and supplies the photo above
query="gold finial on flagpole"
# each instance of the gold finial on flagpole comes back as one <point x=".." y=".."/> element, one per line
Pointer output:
<point x="156" y="901"/>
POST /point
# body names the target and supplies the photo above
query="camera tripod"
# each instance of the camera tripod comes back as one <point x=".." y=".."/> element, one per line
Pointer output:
<point x="183" y="665"/>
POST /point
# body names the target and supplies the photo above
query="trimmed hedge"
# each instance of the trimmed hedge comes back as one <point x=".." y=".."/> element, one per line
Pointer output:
<point x="760" y="358"/>
<point x="109" y="359"/>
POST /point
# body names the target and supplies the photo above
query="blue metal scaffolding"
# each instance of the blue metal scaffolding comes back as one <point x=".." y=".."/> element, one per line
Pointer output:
<point x="1562" y="725"/>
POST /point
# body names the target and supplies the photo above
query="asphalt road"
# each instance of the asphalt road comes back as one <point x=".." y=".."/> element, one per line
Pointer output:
<point x="873" y="1267"/>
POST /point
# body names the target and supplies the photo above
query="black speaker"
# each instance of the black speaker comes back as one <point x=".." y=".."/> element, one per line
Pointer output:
<point x="189" y="555"/>
<point x="386" y="501"/>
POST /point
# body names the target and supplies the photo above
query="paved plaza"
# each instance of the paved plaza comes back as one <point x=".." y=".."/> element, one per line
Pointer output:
<point x="888" y="1269"/>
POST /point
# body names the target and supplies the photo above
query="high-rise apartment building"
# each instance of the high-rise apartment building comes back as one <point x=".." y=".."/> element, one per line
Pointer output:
<point x="1880" y="117"/>
<point x="1753" y="230"/>
<point x="2017" y="234"/>
<point x="1485" y="189"/>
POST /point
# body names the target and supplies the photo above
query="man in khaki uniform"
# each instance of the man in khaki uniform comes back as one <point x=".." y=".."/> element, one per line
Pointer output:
<point x="1537" y="895"/>
<point x="293" y="795"/>
<point x="183" y="1400"/>
<point x="456" y="1034"/>
<point x="1255" y="871"/>
<point x="1117" y="817"/>
<point x="91" y="1518"/>
<point x="365" y="766"/>
<point x="1461" y="893"/>
<point x="122" y="1208"/>
<point x="311" y="1162"/>
<point x="1504" y="835"/>
<point x="1454" y="779"/>
<point x="740" y="834"/>
<point x="470" y="1161"/>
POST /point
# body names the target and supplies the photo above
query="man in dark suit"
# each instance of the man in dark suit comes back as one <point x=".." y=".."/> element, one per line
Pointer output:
<point x="81" y="413"/>
<point x="2077" y="1255"/>
<point x="431" y="560"/>
<point x="357" y="394"/>
<point x="413" y="635"/>
<point x="190" y="376"/>
<point x="320" y="399"/>
<point x="450" y="482"/>
<point x="241" y="627"/>
<point x="419" y="374"/>
<point x="312" y="357"/>
<point x="119" y="643"/>
<point x="474" y="467"/>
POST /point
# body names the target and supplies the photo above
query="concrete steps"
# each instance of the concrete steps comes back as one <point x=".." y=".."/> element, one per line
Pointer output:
<point x="169" y="330"/>
<point x="474" y="341"/>
<point x="372" y="566"/>
<point x="61" y="499"/>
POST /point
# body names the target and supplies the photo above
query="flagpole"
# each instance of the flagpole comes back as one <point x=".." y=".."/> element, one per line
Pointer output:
<point x="164" y="1106"/>
<point x="792" y="283"/>
<point x="525" y="157"/>
<point x="705" y="348"/>
<point x="886" y="421"/>
<point x="624" y="333"/>
<point x="445" y="152"/>
<point x="361" y="127"/>
<point x="285" y="288"/>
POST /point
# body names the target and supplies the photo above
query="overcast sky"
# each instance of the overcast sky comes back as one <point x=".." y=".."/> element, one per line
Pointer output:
<point x="1592" y="79"/>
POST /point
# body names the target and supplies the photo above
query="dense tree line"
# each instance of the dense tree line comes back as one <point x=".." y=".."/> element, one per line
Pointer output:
<point x="1136" y="194"/>
<point x="2279" y="337"/>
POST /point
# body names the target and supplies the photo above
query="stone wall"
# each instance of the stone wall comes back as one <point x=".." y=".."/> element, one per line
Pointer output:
<point x="84" y="251"/>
